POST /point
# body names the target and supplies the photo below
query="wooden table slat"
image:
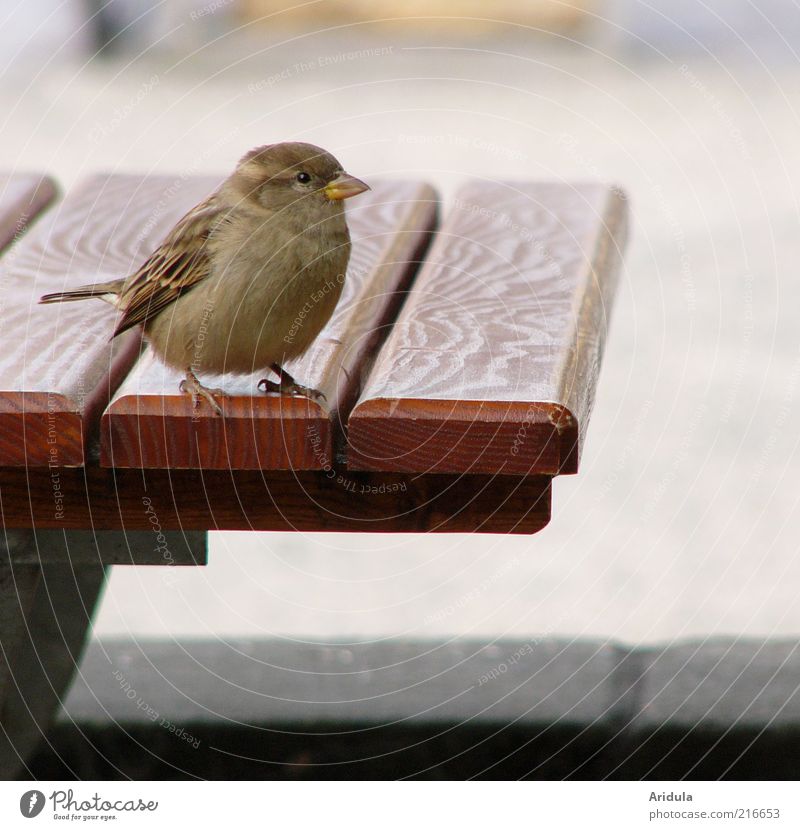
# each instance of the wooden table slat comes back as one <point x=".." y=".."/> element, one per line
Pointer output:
<point x="57" y="367"/>
<point x="151" y="424"/>
<point x="492" y="365"/>
<point x="306" y="500"/>
<point x="23" y="196"/>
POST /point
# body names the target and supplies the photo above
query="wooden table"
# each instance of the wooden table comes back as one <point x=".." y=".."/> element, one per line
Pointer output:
<point x="459" y="371"/>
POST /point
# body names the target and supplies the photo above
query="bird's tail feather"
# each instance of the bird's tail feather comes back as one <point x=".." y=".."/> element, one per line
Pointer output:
<point x="102" y="290"/>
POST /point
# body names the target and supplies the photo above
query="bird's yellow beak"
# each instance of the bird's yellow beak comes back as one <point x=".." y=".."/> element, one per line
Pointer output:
<point x="344" y="186"/>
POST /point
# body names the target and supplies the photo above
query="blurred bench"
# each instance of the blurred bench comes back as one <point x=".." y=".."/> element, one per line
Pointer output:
<point x="459" y="372"/>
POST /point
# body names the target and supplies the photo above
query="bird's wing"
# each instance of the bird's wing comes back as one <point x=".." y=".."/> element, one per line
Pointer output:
<point x="180" y="262"/>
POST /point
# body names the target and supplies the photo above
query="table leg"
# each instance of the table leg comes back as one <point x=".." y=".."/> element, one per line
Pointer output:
<point x="45" y="616"/>
<point x="50" y="583"/>
<point x="18" y="585"/>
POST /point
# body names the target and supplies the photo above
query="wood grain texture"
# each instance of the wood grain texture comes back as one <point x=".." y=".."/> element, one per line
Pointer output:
<point x="150" y="423"/>
<point x="336" y="500"/>
<point x="57" y="367"/>
<point x="493" y="362"/>
<point x="23" y="196"/>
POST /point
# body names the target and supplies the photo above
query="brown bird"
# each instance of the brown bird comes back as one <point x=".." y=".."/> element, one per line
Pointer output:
<point x="249" y="277"/>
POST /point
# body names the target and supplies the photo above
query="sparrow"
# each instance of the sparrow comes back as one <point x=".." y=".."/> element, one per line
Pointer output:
<point x="248" y="278"/>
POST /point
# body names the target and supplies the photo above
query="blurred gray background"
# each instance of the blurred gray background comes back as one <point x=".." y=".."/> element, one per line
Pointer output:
<point x="684" y="520"/>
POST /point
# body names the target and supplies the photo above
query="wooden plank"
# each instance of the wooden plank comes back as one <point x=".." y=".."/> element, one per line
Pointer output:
<point x="18" y="585"/>
<point x="150" y="423"/>
<point x="154" y="546"/>
<point x="23" y="196"/>
<point x="311" y="500"/>
<point x="54" y="631"/>
<point x="493" y="362"/>
<point x="57" y="366"/>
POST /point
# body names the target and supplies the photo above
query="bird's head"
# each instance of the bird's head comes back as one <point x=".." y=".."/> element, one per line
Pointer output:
<point x="278" y="175"/>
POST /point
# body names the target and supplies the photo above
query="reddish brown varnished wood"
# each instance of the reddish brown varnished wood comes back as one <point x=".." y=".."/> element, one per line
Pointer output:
<point x="23" y="196"/>
<point x="57" y="366"/>
<point x="332" y="500"/>
<point x="492" y="365"/>
<point x="150" y="423"/>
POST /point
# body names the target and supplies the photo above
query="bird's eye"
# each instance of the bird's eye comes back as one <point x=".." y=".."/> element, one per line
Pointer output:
<point x="303" y="178"/>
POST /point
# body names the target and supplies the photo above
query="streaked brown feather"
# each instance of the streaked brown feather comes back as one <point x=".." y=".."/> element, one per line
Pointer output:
<point x="178" y="264"/>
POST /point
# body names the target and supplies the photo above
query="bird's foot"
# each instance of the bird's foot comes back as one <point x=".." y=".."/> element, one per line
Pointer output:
<point x="290" y="388"/>
<point x="288" y="385"/>
<point x="190" y="385"/>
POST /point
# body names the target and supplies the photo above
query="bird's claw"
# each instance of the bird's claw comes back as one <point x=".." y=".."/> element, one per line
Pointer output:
<point x="190" y="385"/>
<point x="291" y="388"/>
